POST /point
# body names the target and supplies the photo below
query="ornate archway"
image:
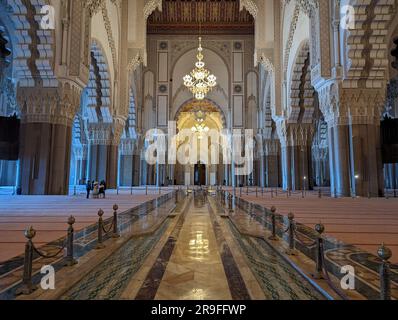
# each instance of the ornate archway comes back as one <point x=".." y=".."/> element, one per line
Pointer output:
<point x="198" y="118"/>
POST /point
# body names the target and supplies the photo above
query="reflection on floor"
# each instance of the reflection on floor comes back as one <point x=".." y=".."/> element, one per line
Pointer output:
<point x="197" y="269"/>
<point x="135" y="222"/>
<point x="365" y="223"/>
<point x="189" y="251"/>
<point x="48" y="215"/>
<point x="254" y="220"/>
<point x="195" y="262"/>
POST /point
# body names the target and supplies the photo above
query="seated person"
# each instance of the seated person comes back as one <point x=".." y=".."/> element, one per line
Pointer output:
<point x="96" y="190"/>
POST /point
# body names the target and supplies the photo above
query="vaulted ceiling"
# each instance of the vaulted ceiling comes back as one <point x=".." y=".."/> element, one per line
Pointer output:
<point x="214" y="16"/>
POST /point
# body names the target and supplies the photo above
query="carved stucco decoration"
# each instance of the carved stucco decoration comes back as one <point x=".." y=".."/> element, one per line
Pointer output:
<point x="180" y="47"/>
<point x="289" y="43"/>
<point x="93" y="6"/>
<point x="345" y="106"/>
<point x="151" y="6"/>
<point x="135" y="62"/>
<point x="250" y="6"/>
<point x="96" y="6"/>
<point x="50" y="105"/>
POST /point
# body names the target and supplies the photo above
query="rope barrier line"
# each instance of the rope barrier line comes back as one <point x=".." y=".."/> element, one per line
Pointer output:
<point x="321" y="271"/>
<point x="27" y="286"/>
<point x="110" y="227"/>
<point x="327" y="276"/>
<point x="303" y="242"/>
<point x="49" y="256"/>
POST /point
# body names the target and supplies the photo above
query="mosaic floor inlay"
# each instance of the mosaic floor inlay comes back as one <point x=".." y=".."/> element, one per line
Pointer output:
<point x="136" y="220"/>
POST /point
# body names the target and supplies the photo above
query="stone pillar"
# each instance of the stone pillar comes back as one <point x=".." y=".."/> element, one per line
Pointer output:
<point x="342" y="163"/>
<point x="296" y="167"/>
<point x="333" y="186"/>
<point x="353" y="117"/>
<point x="126" y="170"/>
<point x="112" y="166"/>
<point x="8" y="172"/>
<point x="367" y="166"/>
<point x="287" y="167"/>
<point x="45" y="158"/>
<point x="271" y="164"/>
<point x="82" y="171"/>
<point x="136" y="169"/>
<point x="47" y="114"/>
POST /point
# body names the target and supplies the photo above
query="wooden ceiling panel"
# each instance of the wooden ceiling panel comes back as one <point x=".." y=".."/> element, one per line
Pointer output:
<point x="215" y="17"/>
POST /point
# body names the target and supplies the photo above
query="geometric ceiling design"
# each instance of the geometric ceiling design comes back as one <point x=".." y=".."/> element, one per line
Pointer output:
<point x="215" y="16"/>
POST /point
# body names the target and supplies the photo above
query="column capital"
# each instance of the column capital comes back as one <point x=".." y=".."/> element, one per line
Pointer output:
<point x="50" y="105"/>
<point x="345" y="106"/>
<point x="295" y="134"/>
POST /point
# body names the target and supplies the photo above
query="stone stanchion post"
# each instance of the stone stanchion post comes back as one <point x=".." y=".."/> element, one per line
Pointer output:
<point x="70" y="260"/>
<point x="146" y="190"/>
<point x="385" y="254"/>
<point x="27" y="285"/>
<point x="292" y="250"/>
<point x="230" y="205"/>
<point x="273" y="222"/>
<point x="320" y="229"/>
<point x="100" y="245"/>
<point x="115" y="223"/>
<point x="256" y="192"/>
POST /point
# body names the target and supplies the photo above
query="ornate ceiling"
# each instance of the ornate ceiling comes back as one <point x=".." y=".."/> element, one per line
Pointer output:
<point x="216" y="17"/>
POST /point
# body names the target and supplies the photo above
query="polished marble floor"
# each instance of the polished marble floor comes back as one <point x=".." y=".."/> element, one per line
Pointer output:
<point x="189" y="246"/>
<point x="195" y="270"/>
<point x="48" y="214"/>
<point x="362" y="222"/>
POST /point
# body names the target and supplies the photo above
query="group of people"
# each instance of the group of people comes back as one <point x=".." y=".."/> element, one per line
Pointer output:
<point x="98" y="189"/>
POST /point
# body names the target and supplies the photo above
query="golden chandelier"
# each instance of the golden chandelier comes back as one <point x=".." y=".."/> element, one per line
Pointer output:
<point x="201" y="81"/>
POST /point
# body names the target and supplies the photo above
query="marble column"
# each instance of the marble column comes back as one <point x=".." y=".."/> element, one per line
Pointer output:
<point x="126" y="170"/>
<point x="287" y="167"/>
<point x="136" y="169"/>
<point x="45" y="151"/>
<point x="273" y="171"/>
<point x="8" y="172"/>
<point x="332" y="169"/>
<point x="112" y="166"/>
<point x="342" y="165"/>
<point x="367" y="166"/>
<point x="103" y="164"/>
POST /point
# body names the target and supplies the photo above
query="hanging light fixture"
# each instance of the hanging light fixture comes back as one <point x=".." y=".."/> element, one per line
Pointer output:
<point x="200" y="82"/>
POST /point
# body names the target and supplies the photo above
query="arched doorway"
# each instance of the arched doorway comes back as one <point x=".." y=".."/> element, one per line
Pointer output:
<point x="201" y="118"/>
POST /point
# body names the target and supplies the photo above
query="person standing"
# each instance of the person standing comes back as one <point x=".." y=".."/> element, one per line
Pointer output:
<point x="88" y="188"/>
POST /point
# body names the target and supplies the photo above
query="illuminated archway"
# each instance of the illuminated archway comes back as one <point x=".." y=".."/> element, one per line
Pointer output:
<point x="199" y="118"/>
